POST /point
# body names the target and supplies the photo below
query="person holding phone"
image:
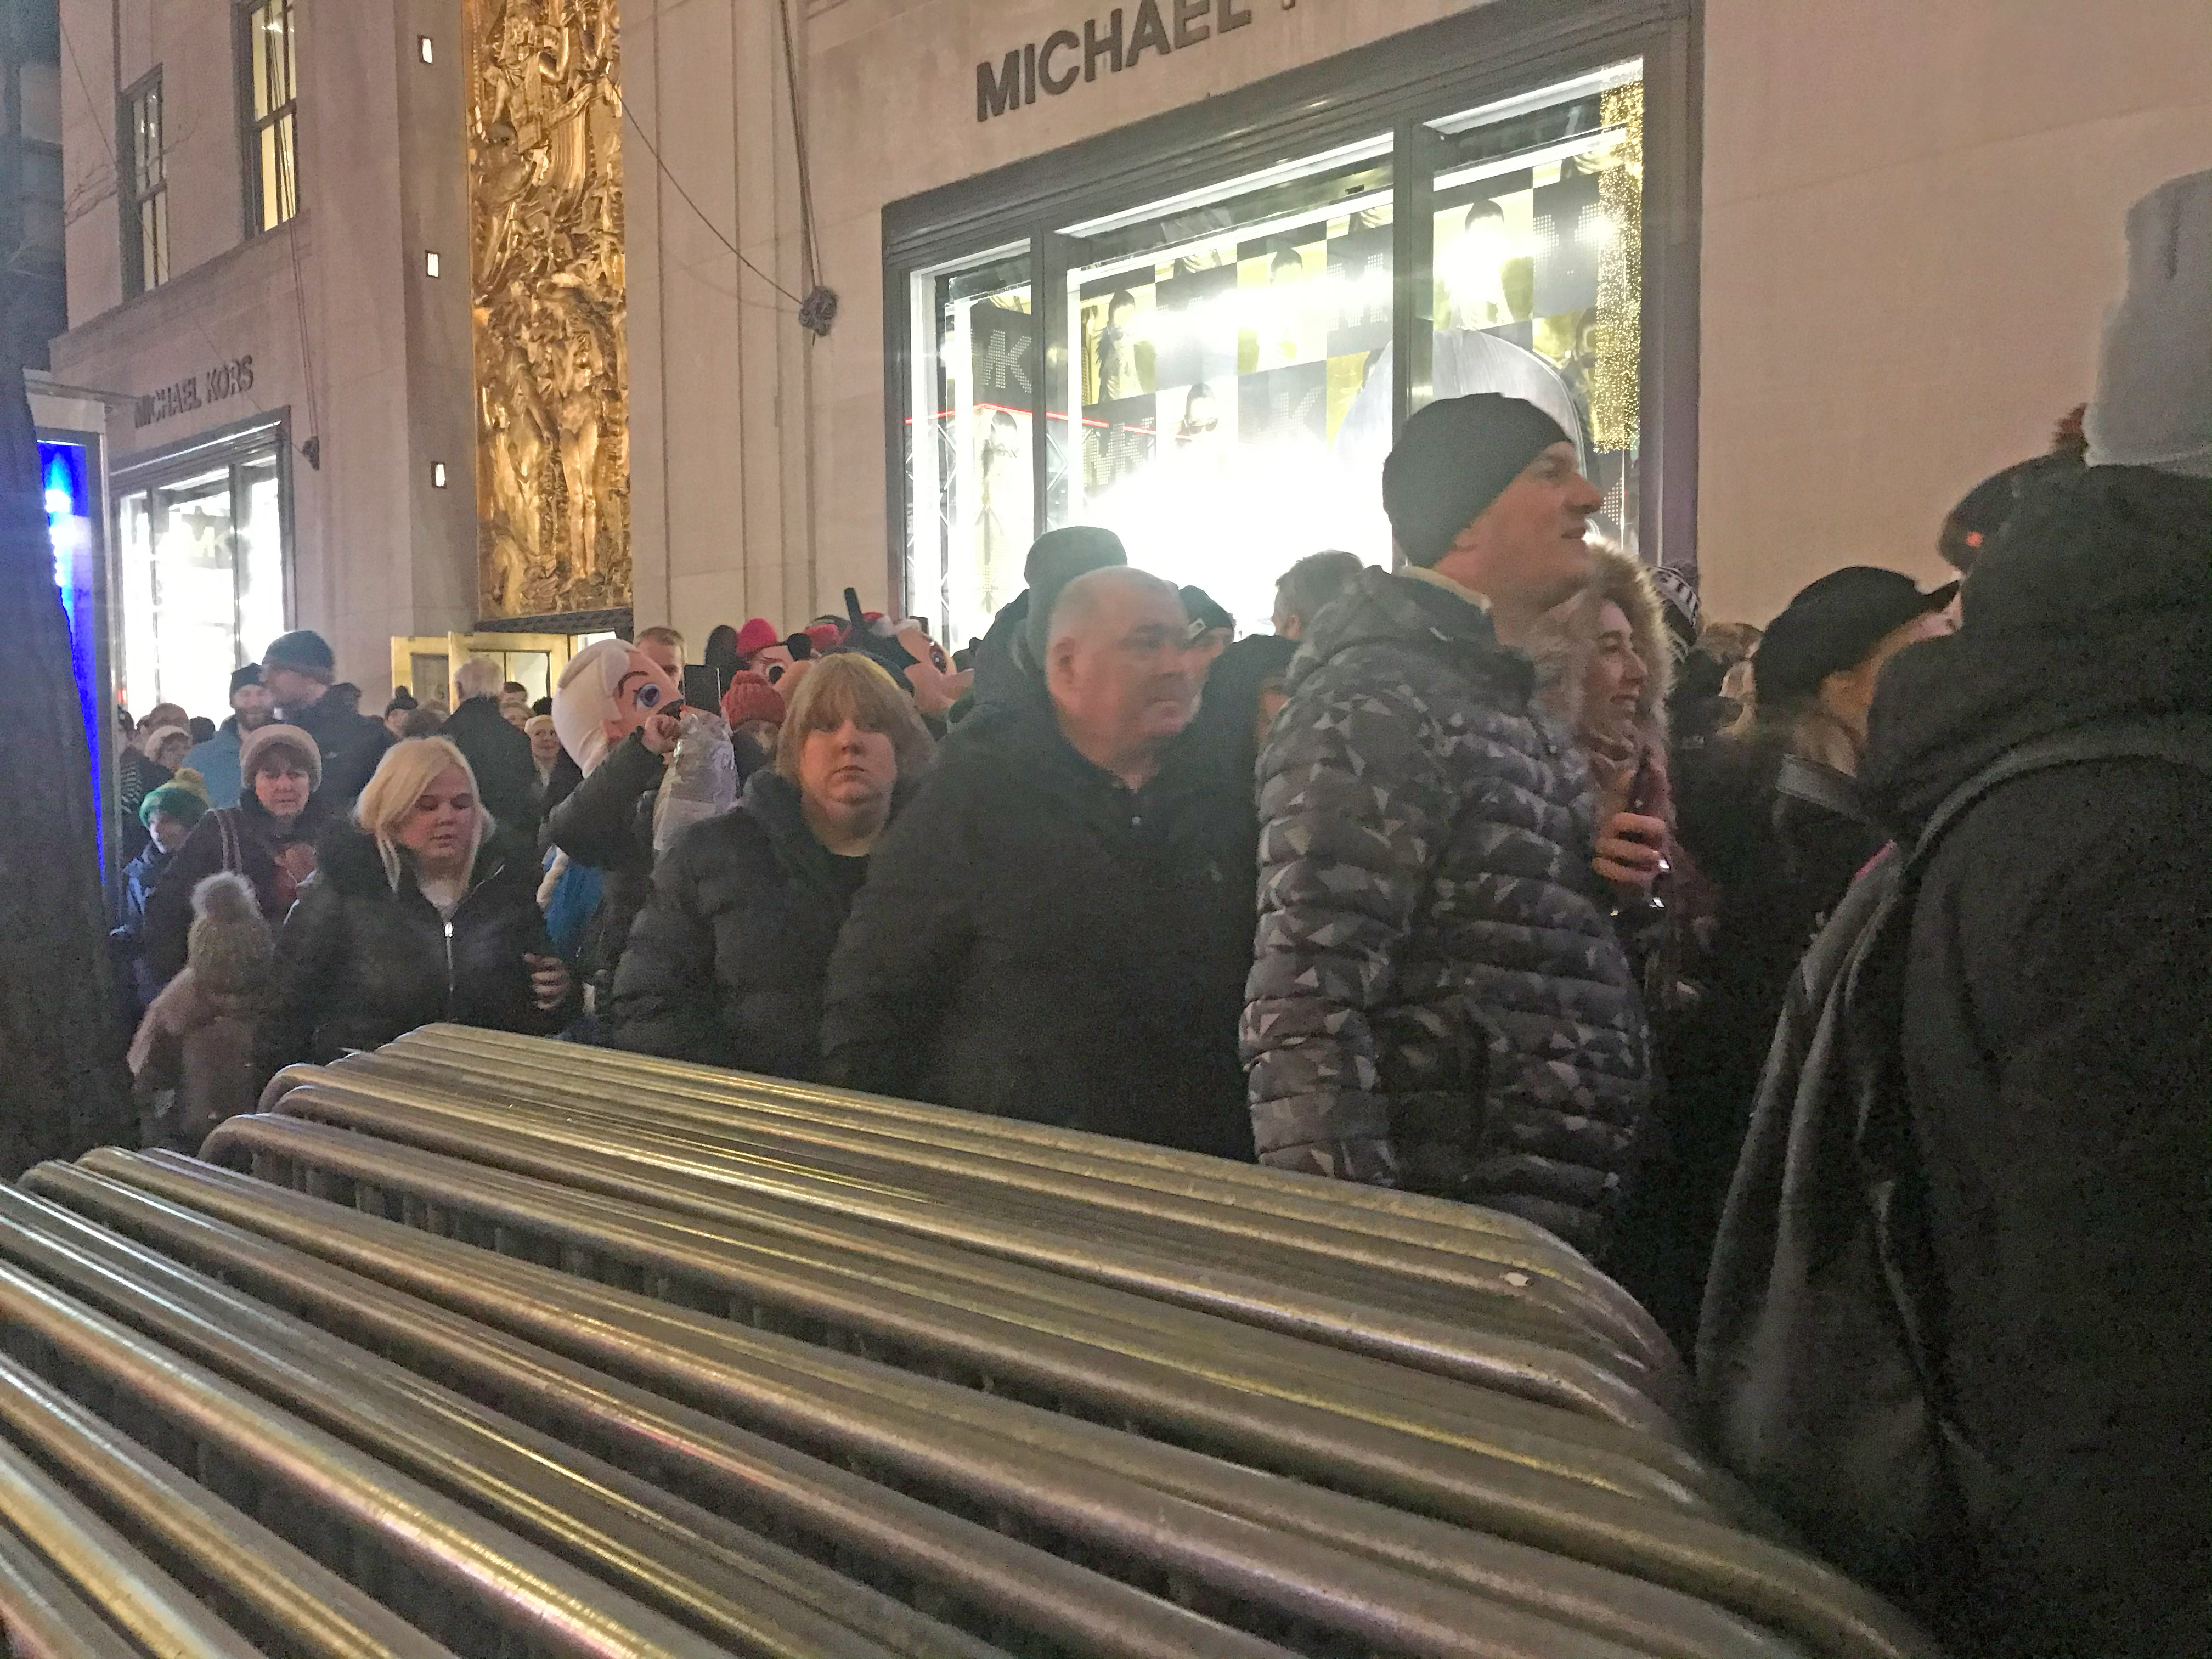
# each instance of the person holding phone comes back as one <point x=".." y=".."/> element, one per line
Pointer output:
<point x="421" y="911"/>
<point x="617" y="709"/>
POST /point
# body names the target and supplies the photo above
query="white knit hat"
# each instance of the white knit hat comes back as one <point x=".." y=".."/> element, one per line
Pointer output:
<point x="2154" y="403"/>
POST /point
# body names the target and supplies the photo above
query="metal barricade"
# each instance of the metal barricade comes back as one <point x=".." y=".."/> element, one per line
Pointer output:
<point x="482" y="1344"/>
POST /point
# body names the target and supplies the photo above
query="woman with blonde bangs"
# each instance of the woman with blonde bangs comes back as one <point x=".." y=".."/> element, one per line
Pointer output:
<point x="726" y="964"/>
<point x="421" y="910"/>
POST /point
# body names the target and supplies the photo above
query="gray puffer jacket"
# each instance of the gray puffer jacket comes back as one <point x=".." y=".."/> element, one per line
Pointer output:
<point x="1438" y="1001"/>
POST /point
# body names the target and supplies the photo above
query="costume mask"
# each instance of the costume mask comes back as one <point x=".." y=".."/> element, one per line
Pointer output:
<point x="606" y="692"/>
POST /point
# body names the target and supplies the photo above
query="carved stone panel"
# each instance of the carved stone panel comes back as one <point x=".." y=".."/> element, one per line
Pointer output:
<point x="552" y="373"/>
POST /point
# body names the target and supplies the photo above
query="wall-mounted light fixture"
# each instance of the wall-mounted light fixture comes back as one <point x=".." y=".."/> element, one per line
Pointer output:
<point x="423" y="45"/>
<point x="437" y="475"/>
<point x="430" y="262"/>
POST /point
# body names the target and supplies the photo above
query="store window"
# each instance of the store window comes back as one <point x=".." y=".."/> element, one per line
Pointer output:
<point x="973" y="491"/>
<point x="272" y="140"/>
<point x="1235" y="377"/>
<point x="1538" y="291"/>
<point x="202" y="573"/>
<point x="146" y="188"/>
<point x="1216" y="367"/>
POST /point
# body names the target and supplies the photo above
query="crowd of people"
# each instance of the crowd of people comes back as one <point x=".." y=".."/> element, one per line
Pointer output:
<point x="1875" y="940"/>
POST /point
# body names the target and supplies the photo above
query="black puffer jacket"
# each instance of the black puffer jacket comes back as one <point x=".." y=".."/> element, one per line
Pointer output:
<point x="1035" y="940"/>
<point x="499" y="754"/>
<point x="1438" y="1000"/>
<point x="2057" y="1045"/>
<point x="725" y="963"/>
<point x="359" y="961"/>
<point x="606" y="821"/>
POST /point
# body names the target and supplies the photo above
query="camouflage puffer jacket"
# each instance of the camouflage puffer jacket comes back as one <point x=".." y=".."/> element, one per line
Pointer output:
<point x="1438" y="1001"/>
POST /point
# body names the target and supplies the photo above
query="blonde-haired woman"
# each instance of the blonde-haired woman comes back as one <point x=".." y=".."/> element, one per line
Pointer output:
<point x="726" y="961"/>
<point x="421" y="910"/>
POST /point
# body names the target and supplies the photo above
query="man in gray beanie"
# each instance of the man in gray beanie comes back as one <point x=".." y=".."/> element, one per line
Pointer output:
<point x="1438" y="1001"/>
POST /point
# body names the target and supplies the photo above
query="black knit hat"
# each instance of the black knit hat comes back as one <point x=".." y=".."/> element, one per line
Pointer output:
<point x="305" y="652"/>
<point x="250" y="674"/>
<point x="1833" y="625"/>
<point x="1205" y="611"/>
<point x="1057" y="558"/>
<point x="1455" y="458"/>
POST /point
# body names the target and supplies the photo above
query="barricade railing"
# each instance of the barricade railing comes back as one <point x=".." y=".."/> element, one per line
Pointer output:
<point x="479" y="1344"/>
<point x="699" y="1265"/>
<point x="1267" y="1583"/>
<point x="1512" y="1332"/>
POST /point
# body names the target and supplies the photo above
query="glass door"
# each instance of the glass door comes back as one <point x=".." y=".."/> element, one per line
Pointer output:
<point x="201" y="568"/>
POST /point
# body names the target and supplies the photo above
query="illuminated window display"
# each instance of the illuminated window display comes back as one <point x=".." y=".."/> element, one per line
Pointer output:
<point x="202" y="574"/>
<point x="1217" y="373"/>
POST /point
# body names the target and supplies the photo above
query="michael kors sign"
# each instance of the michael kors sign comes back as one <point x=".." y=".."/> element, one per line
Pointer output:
<point x="1119" y="40"/>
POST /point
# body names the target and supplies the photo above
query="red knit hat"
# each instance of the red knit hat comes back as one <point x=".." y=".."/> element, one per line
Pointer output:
<point x="757" y="636"/>
<point x="749" y="697"/>
<point x="825" y="636"/>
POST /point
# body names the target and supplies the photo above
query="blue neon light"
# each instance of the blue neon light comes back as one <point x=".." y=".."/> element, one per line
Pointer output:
<point x="65" y="475"/>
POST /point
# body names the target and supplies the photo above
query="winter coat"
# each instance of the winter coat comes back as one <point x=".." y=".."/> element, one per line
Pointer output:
<point x="606" y="821"/>
<point x="136" y="777"/>
<point x="1779" y="863"/>
<point x="726" y="964"/>
<point x="197" y="1037"/>
<point x="1438" y="1000"/>
<point x="2057" y="1046"/>
<point x="359" y="962"/>
<point x="1002" y="656"/>
<point x="127" y="937"/>
<point x="1036" y="940"/>
<point x="265" y="851"/>
<point x="352" y="743"/>
<point x="499" y="754"/>
<point x="217" y="762"/>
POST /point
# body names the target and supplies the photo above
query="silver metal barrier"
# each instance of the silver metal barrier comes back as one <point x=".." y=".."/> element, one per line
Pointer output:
<point x="1681" y="1549"/>
<point x="479" y="1344"/>
<point x="1511" y="1343"/>
<point x="774" y="1382"/>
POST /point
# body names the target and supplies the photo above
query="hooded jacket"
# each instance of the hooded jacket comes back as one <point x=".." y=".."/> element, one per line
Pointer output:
<point x="1438" y="1000"/>
<point x="1036" y="940"/>
<point x="359" y="961"/>
<point x="2056" y="1039"/>
<point x="727" y="961"/>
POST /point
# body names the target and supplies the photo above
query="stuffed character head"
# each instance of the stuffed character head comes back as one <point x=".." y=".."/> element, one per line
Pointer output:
<point x="904" y="648"/>
<point x="607" y="691"/>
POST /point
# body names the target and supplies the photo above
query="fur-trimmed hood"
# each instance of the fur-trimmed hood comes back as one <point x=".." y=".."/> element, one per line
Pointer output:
<point x="1565" y="637"/>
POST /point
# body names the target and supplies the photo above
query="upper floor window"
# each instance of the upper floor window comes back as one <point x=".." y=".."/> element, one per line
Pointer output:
<point x="145" y="188"/>
<point x="273" y="135"/>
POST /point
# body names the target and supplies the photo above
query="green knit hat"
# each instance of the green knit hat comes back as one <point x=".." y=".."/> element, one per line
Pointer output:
<point x="183" y="798"/>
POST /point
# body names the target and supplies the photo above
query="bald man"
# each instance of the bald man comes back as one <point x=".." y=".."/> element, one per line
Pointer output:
<point x="1055" y="929"/>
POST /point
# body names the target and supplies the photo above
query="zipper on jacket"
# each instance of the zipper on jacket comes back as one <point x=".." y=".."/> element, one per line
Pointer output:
<point x="449" y="920"/>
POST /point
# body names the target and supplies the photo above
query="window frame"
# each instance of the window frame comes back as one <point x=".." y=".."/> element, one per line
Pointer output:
<point x="252" y="125"/>
<point x="131" y="198"/>
<point x="1398" y="85"/>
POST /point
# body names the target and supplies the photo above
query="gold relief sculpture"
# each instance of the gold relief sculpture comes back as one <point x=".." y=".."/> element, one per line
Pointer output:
<point x="552" y="373"/>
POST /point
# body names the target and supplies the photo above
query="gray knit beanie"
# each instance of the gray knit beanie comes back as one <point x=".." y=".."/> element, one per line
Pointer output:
<point x="2154" y="403"/>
